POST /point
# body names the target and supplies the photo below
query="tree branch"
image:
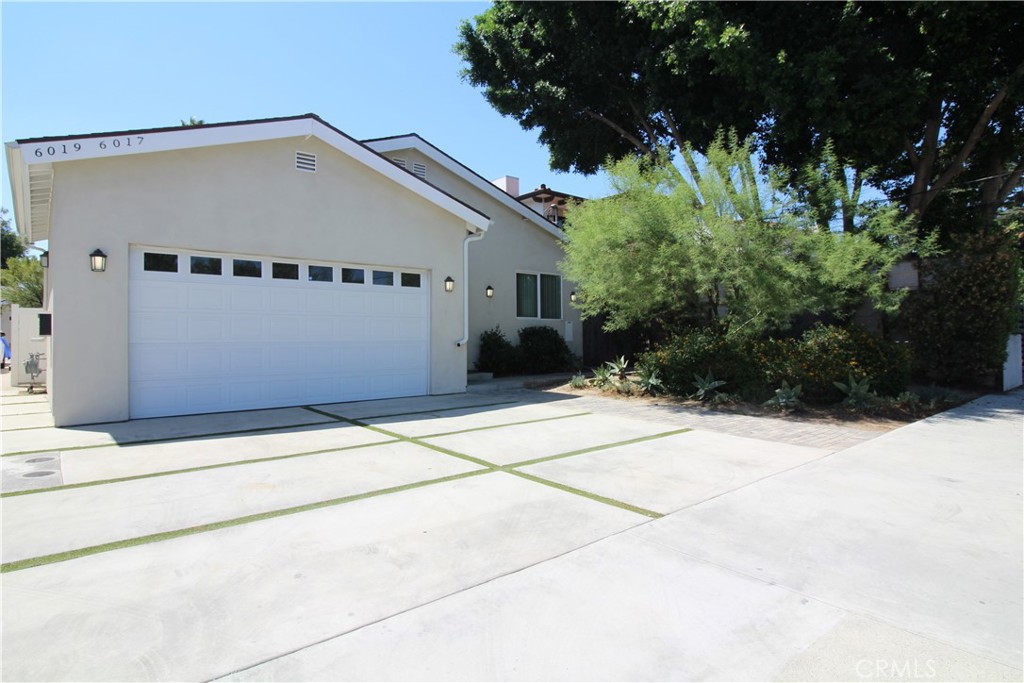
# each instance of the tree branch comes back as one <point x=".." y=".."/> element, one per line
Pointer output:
<point x="915" y="160"/>
<point x="956" y="167"/>
<point x="1012" y="181"/>
<point x="634" y="140"/>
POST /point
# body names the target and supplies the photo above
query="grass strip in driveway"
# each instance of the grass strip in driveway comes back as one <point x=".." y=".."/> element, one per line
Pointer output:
<point x="198" y="468"/>
<point x="586" y="494"/>
<point x="223" y="524"/>
<point x="539" y="480"/>
<point x="507" y="424"/>
<point x="187" y="437"/>
<point x="593" y="449"/>
<point x="414" y="412"/>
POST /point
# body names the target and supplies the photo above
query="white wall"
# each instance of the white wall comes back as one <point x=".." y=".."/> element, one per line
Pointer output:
<point x="24" y="339"/>
<point x="231" y="198"/>
<point x="1013" y="372"/>
<point x="513" y="243"/>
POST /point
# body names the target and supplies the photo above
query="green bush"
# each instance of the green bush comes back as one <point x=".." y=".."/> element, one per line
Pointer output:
<point x="754" y="368"/>
<point x="498" y="354"/>
<point x="960" y="318"/>
<point x="827" y="354"/>
<point x="542" y="349"/>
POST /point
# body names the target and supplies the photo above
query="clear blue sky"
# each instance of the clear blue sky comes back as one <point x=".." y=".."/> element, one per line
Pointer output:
<point x="370" y="69"/>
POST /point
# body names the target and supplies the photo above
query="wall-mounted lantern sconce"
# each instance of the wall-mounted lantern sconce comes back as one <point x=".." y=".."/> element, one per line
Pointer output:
<point x="44" y="259"/>
<point x="449" y="284"/>
<point x="98" y="261"/>
<point x="572" y="297"/>
<point x="489" y="292"/>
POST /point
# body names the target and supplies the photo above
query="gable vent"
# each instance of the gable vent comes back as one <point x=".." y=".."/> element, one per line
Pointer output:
<point x="419" y="170"/>
<point x="305" y="161"/>
<point x="400" y="162"/>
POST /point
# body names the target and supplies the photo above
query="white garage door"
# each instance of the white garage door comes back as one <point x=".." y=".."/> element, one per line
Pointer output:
<point x="216" y="332"/>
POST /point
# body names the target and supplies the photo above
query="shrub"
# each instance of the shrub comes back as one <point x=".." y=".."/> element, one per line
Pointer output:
<point x="543" y="350"/>
<point x="498" y="354"/>
<point x="961" y="317"/>
<point x="827" y="354"/>
<point x="753" y="368"/>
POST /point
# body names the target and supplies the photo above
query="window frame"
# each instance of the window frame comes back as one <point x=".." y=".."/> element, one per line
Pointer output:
<point x="540" y="303"/>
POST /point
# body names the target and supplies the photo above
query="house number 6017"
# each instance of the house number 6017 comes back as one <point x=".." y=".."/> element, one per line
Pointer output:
<point x="121" y="142"/>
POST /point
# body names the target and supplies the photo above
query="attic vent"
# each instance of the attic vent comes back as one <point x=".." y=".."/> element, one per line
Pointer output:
<point x="400" y="162"/>
<point x="305" y="161"/>
<point x="419" y="170"/>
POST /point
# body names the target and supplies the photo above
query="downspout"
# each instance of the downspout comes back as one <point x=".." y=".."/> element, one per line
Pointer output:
<point x="478" y="235"/>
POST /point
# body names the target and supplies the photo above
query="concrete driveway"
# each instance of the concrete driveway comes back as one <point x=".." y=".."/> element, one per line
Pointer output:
<point x="509" y="536"/>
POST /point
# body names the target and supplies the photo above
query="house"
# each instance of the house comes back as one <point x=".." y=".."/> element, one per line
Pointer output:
<point x="269" y="263"/>
<point x="514" y="278"/>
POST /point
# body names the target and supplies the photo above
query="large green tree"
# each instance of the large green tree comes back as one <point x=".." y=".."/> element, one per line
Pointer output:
<point x="21" y="282"/>
<point x="920" y="98"/>
<point x="11" y="245"/>
<point x="729" y="245"/>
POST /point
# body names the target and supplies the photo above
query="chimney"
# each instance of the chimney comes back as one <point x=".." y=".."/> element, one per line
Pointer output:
<point x="508" y="183"/>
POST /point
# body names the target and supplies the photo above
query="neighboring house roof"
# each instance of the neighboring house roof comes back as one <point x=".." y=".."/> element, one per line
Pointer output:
<point x="414" y="141"/>
<point x="546" y="194"/>
<point x="30" y="161"/>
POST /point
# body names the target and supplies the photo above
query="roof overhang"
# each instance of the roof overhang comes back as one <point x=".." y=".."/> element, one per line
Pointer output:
<point x="392" y="144"/>
<point x="30" y="162"/>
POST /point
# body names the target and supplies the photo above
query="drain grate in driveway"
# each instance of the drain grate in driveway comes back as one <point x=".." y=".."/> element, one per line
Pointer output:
<point x="36" y="471"/>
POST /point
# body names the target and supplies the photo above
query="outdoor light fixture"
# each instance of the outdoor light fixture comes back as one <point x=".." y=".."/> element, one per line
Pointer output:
<point x="44" y="259"/>
<point x="449" y="284"/>
<point x="489" y="292"/>
<point x="572" y="297"/>
<point x="98" y="261"/>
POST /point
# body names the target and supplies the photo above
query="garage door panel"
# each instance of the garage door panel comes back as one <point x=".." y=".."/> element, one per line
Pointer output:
<point x="320" y="303"/>
<point x="286" y="301"/>
<point x="207" y="298"/>
<point x="155" y="361"/>
<point x="206" y="361"/>
<point x="243" y="328"/>
<point x="204" y="327"/>
<point x="247" y="359"/>
<point x="153" y="327"/>
<point x="201" y="343"/>
<point x="247" y="299"/>
<point x="157" y="295"/>
<point x="383" y="306"/>
<point x="319" y="329"/>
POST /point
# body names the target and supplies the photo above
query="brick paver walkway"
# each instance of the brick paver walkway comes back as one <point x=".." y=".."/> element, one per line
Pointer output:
<point x="833" y="437"/>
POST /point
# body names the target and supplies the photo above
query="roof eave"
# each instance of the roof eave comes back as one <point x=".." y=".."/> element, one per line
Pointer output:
<point x="414" y="141"/>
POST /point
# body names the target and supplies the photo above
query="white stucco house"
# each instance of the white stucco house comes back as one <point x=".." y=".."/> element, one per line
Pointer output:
<point x="271" y="263"/>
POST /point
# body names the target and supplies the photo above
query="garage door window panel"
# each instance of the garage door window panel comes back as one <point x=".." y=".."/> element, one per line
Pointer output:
<point x="321" y="274"/>
<point x="410" y="279"/>
<point x="205" y="265"/>
<point x="285" y="271"/>
<point x="247" y="268"/>
<point x="160" y="263"/>
<point x="353" y="276"/>
<point x="384" y="278"/>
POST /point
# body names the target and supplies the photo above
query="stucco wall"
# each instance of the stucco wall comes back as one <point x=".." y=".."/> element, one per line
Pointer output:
<point x="231" y="198"/>
<point x="512" y="244"/>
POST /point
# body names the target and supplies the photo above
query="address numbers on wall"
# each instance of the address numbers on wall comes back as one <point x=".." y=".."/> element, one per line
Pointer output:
<point x="59" y="149"/>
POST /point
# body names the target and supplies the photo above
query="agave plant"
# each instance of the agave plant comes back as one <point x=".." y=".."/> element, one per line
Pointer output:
<point x="706" y="386"/>
<point x="648" y="379"/>
<point x="786" y="397"/>
<point x="858" y="393"/>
